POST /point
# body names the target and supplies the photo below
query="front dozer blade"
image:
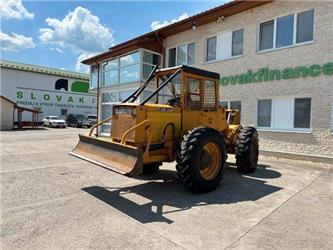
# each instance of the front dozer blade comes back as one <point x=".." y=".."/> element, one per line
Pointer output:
<point x="120" y="158"/>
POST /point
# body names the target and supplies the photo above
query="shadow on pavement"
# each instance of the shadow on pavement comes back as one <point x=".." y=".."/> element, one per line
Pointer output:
<point x="164" y="189"/>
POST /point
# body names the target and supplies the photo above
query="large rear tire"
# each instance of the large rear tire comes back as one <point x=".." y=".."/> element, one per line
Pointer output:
<point x="201" y="159"/>
<point x="247" y="150"/>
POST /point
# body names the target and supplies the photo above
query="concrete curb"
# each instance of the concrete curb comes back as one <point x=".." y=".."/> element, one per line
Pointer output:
<point x="297" y="156"/>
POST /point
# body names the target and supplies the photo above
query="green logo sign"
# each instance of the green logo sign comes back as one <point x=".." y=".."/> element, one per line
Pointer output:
<point x="266" y="74"/>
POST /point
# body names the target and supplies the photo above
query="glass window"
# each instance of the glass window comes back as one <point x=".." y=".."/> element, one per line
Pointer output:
<point x="110" y="72"/>
<point x="266" y="35"/>
<point x="191" y="54"/>
<point x="236" y="105"/>
<point x="181" y="54"/>
<point x="264" y="113"/>
<point x="106" y="111"/>
<point x="209" y="94"/>
<point x="285" y="31"/>
<point x="237" y="43"/>
<point x="151" y="58"/>
<point x="146" y="70"/>
<point x="193" y="94"/>
<point x="211" y="49"/>
<point x="171" y="91"/>
<point x="93" y="76"/>
<point x="110" y="97"/>
<point x="224" y="104"/>
<point x="302" y="112"/>
<point x="106" y="129"/>
<point x="130" y="73"/>
<point x="110" y="77"/>
<point x="110" y="65"/>
<point x="305" y="26"/>
<point x="124" y="94"/>
<point x="172" y="57"/>
<point x="130" y="59"/>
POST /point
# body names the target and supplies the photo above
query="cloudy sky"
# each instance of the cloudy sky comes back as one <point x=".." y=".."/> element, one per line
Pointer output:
<point x="62" y="33"/>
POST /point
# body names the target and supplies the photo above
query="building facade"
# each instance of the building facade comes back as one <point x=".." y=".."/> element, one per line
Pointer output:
<point x="275" y="59"/>
<point x="52" y="91"/>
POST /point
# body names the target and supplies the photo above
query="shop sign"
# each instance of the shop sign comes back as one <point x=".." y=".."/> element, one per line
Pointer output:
<point x="267" y="74"/>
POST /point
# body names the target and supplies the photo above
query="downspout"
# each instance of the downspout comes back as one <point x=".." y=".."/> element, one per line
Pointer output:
<point x="163" y="49"/>
<point x="97" y="95"/>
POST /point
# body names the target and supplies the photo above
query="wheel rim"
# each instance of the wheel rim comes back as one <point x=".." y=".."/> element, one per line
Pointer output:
<point x="210" y="161"/>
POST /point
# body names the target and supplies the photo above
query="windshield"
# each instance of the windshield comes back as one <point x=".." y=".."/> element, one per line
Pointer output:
<point x="170" y="93"/>
<point x="54" y="117"/>
<point x="92" y="116"/>
<point x="80" y="117"/>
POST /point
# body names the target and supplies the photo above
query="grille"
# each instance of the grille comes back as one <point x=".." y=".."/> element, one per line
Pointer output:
<point x="120" y="125"/>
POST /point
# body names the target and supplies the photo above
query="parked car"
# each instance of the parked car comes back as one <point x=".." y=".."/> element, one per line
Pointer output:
<point x="78" y="121"/>
<point x="53" y="121"/>
<point x="92" y="119"/>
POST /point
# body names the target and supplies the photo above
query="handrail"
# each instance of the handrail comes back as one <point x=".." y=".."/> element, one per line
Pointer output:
<point x="99" y="124"/>
<point x="131" y="129"/>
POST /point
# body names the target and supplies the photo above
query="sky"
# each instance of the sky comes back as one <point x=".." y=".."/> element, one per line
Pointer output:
<point x="60" y="34"/>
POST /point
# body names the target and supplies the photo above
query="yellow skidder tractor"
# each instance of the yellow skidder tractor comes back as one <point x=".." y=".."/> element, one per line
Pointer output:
<point x="181" y="119"/>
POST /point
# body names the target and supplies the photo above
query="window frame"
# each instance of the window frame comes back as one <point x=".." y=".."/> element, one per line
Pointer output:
<point x="233" y="100"/>
<point x="294" y="43"/>
<point x="217" y="41"/>
<point x="141" y="79"/>
<point x="271" y="128"/>
<point x="176" y="55"/>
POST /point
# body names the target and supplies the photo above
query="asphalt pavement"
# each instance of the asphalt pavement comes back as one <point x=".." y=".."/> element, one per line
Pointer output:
<point x="52" y="200"/>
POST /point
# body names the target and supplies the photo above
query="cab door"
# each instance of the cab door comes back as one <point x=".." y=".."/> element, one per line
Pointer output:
<point x="192" y="105"/>
<point x="201" y="104"/>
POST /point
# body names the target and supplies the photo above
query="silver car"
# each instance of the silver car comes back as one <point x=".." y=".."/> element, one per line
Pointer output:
<point x="53" y="121"/>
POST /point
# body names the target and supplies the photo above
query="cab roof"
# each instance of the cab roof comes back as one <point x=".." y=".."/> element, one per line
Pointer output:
<point x="193" y="70"/>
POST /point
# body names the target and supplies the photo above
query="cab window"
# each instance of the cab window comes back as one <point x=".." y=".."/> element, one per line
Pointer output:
<point x="193" y="100"/>
<point x="209" y="95"/>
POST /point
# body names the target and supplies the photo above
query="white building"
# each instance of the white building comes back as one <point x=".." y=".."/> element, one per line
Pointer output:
<point x="53" y="91"/>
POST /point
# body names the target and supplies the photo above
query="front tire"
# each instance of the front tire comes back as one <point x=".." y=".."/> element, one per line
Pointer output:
<point x="201" y="159"/>
<point x="247" y="150"/>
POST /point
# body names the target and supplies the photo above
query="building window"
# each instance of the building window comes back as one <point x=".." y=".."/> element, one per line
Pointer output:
<point x="149" y="61"/>
<point x="93" y="76"/>
<point x="183" y="54"/>
<point x="284" y="31"/>
<point x="302" y="113"/>
<point x="224" y="46"/>
<point x="63" y="112"/>
<point x="172" y="57"/>
<point x="224" y="104"/>
<point x="264" y="113"/>
<point x="211" y="49"/>
<point x="266" y="35"/>
<point x="305" y="26"/>
<point x="281" y="32"/>
<point x="284" y="113"/>
<point x="232" y="105"/>
<point x="130" y="68"/>
<point x="110" y="72"/>
<point x="237" y="43"/>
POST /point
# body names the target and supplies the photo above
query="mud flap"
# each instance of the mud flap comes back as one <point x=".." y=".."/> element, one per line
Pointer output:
<point x="120" y="158"/>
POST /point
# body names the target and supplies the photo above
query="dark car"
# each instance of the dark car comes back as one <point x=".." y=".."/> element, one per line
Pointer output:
<point x="77" y="121"/>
